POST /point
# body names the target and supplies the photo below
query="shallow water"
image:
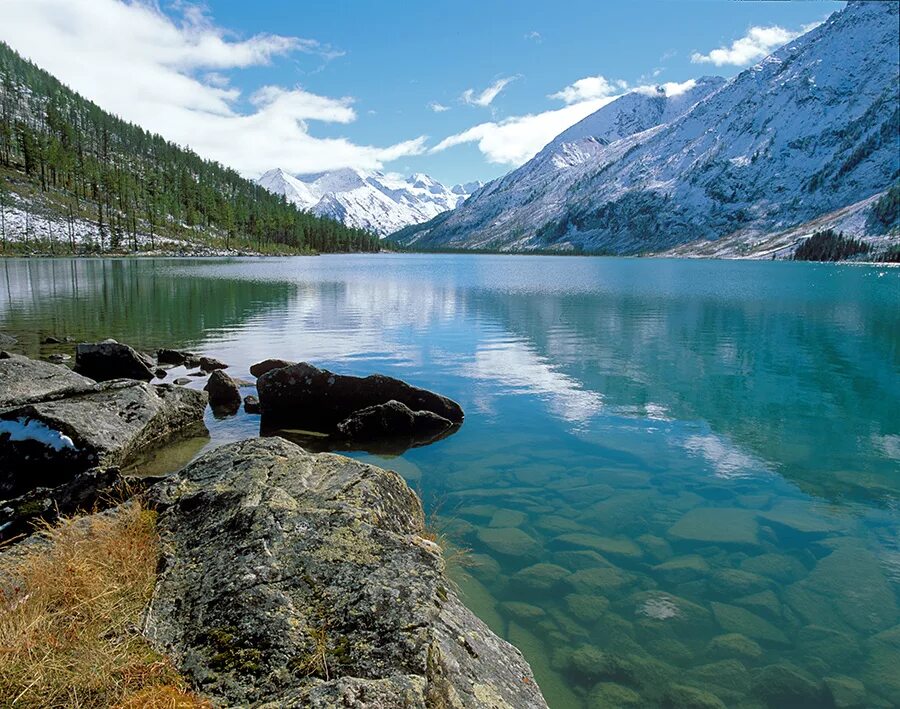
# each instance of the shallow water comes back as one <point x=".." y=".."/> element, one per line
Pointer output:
<point x="674" y="476"/>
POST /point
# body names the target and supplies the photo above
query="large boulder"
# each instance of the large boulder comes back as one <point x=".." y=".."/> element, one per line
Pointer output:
<point x="24" y="380"/>
<point x="46" y="443"/>
<point x="306" y="397"/>
<point x="177" y="357"/>
<point x="267" y="365"/>
<point x="109" y="359"/>
<point x="298" y="580"/>
<point x="224" y="394"/>
<point x="7" y="340"/>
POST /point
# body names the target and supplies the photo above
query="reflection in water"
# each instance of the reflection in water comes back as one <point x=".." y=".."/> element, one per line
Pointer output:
<point x="675" y="477"/>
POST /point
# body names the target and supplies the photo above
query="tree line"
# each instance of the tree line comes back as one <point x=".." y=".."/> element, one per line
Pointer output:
<point x="135" y="185"/>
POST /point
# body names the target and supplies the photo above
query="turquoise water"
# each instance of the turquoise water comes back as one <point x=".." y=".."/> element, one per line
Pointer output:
<point x="677" y="482"/>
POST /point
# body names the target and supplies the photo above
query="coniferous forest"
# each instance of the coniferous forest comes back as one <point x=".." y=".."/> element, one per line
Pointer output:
<point x="65" y="161"/>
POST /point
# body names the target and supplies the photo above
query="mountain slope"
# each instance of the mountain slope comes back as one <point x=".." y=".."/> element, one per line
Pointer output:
<point x="809" y="130"/>
<point x="368" y="200"/>
<point x="74" y="178"/>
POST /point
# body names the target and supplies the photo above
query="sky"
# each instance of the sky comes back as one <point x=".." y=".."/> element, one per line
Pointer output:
<point x="462" y="92"/>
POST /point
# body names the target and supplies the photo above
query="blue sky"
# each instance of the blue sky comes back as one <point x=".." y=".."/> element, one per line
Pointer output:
<point x="315" y="85"/>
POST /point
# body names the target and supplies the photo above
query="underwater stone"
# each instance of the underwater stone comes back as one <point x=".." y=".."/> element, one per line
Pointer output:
<point x="740" y="620"/>
<point x="717" y="525"/>
<point x="551" y="683"/>
<point x="483" y="566"/>
<point x="606" y="695"/>
<point x="599" y="579"/>
<point x="846" y="692"/>
<point x="510" y="541"/>
<point x="586" y="608"/>
<point x="779" y="567"/>
<point x="557" y="525"/>
<point x="507" y="518"/>
<point x="729" y="674"/>
<point x="784" y="685"/>
<point x="734" y="645"/>
<point x="656" y="548"/>
<point x="734" y="582"/>
<point x="765" y="603"/>
<point x="540" y="577"/>
<point x="522" y="611"/>
<point x="682" y="568"/>
<point x="582" y="559"/>
<point x="683" y="697"/>
<point x="605" y="545"/>
<point x="802" y="519"/>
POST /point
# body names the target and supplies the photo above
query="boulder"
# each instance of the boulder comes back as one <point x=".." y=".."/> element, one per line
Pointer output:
<point x="44" y="444"/>
<point x="7" y="340"/>
<point x="224" y="395"/>
<point x="109" y="359"/>
<point x="181" y="381"/>
<point x="251" y="404"/>
<point x="267" y="365"/>
<point x="177" y="357"/>
<point x="24" y="380"/>
<point x="211" y="364"/>
<point x="393" y="420"/>
<point x="293" y="579"/>
<point x="306" y="397"/>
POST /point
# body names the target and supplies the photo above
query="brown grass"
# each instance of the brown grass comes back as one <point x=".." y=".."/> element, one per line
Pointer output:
<point x="70" y="615"/>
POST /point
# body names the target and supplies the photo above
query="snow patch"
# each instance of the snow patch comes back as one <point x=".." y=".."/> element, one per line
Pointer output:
<point x="25" y="429"/>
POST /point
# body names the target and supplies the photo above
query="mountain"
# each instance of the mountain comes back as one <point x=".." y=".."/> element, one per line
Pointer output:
<point x="375" y="201"/>
<point x="75" y="179"/>
<point x="810" y="130"/>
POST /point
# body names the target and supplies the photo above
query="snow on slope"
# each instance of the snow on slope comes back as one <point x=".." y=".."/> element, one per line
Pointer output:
<point x="378" y="202"/>
<point x="809" y="130"/>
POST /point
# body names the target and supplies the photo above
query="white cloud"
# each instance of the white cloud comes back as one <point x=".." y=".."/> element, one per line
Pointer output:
<point x="590" y="87"/>
<point x="534" y="36"/>
<point x="756" y="44"/>
<point x="172" y="77"/>
<point x="438" y="107"/>
<point x="517" y="139"/>
<point x="486" y="97"/>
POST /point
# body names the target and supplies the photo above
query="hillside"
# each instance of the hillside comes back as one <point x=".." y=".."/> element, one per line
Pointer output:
<point x="810" y="130"/>
<point x="371" y="200"/>
<point x="75" y="179"/>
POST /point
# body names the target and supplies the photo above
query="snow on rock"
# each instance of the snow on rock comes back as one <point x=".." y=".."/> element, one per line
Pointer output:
<point x="811" y="129"/>
<point x="24" y="429"/>
<point x="376" y="201"/>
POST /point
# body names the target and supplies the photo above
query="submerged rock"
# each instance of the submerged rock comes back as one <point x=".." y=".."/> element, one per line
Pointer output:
<point x="177" y="357"/>
<point x="303" y="396"/>
<point x="7" y="340"/>
<point x="304" y="580"/>
<point x="24" y="380"/>
<point x="717" y="525"/>
<point x="267" y="365"/>
<point x="740" y="620"/>
<point x="44" y="444"/>
<point x="109" y="359"/>
<point x="784" y="685"/>
<point x="224" y="395"/>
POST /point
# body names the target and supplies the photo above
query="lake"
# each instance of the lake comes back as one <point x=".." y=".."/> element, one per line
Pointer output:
<point x="674" y="478"/>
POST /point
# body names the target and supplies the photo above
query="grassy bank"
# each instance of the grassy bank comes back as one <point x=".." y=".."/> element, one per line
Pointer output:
<point x="70" y="616"/>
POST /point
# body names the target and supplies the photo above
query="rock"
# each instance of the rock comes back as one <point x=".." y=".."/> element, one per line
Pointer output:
<point x="510" y="541"/>
<point x="58" y="358"/>
<point x="304" y="580"/>
<point x="717" y="525"/>
<point x="181" y="381"/>
<point x="655" y="547"/>
<point x="507" y="518"/>
<point x="832" y="646"/>
<point x="7" y="340"/>
<point x="522" y="611"/>
<point x="599" y="580"/>
<point x="211" y="364"/>
<point x="605" y="545"/>
<point x="267" y="365"/>
<point x="606" y="695"/>
<point x="590" y="662"/>
<point x="197" y="374"/>
<point x="734" y="645"/>
<point x="801" y="519"/>
<point x="682" y="568"/>
<point x="540" y="577"/>
<point x="111" y="360"/>
<point x="846" y="692"/>
<point x="84" y="491"/>
<point x="784" y="685"/>
<point x="734" y="582"/>
<point x="177" y="357"/>
<point x="392" y="419"/>
<point x="779" y="567"/>
<point x="728" y="675"/>
<point x="44" y="444"/>
<point x="24" y="381"/>
<point x="303" y="396"/>
<point x="251" y="404"/>
<point x="765" y="603"/>
<point x="224" y="396"/>
<point x="683" y="697"/>
<point x="160" y="373"/>
<point x="585" y="607"/>
<point x="740" y="620"/>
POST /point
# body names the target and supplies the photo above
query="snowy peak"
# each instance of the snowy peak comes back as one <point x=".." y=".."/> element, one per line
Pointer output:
<point x="371" y="200"/>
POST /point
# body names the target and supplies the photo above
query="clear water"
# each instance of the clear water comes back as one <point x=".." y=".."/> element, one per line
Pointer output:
<point x="672" y="473"/>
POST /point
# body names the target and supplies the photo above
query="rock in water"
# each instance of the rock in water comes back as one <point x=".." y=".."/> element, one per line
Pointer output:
<point x="393" y="419"/>
<point x="303" y="580"/>
<point x="251" y="404"/>
<point x="7" y="340"/>
<point x="112" y="360"/>
<point x="304" y="396"/>
<point x="267" y="365"/>
<point x="177" y="357"/>
<point x="44" y="444"/>
<point x="211" y="364"/>
<point x="24" y="380"/>
<point x="224" y="395"/>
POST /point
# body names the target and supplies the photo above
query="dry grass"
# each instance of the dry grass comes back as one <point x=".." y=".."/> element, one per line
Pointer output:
<point x="70" y="613"/>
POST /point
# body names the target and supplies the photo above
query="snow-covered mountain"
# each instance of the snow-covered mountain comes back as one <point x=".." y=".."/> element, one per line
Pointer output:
<point x="809" y="130"/>
<point x="378" y="202"/>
